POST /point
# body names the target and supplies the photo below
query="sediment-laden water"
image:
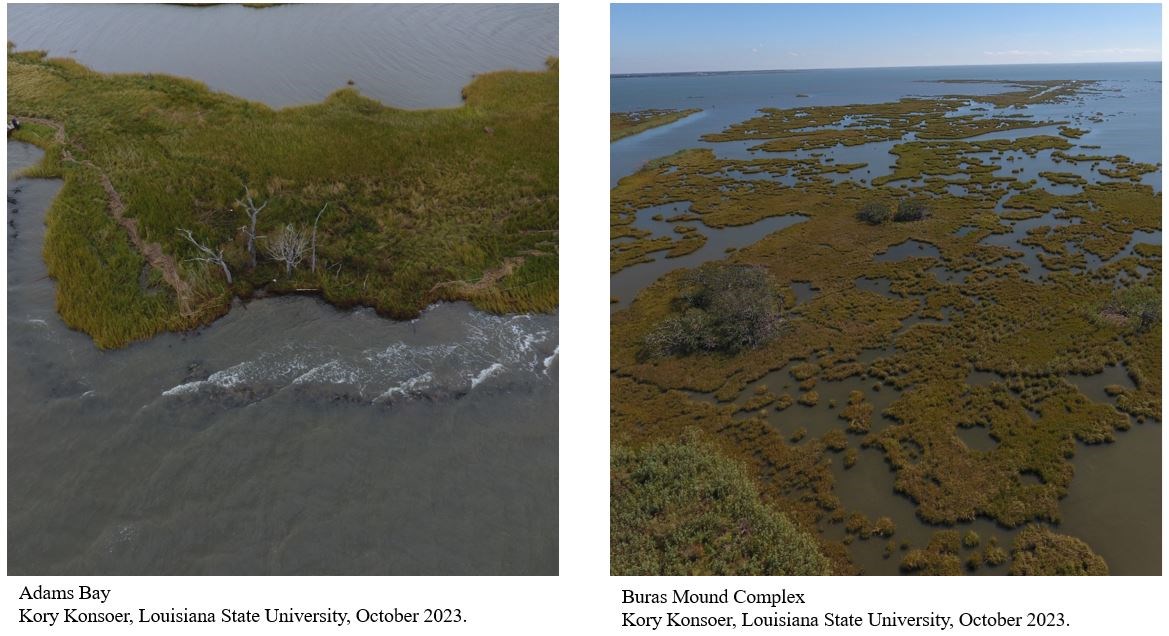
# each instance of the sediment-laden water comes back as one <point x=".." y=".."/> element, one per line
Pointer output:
<point x="1114" y="501"/>
<point x="288" y="437"/>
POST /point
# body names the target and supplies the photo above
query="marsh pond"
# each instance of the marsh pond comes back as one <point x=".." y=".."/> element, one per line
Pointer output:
<point x="189" y="393"/>
<point x="887" y="321"/>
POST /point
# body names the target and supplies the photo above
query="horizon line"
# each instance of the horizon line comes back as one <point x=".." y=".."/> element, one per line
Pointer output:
<point x="852" y="68"/>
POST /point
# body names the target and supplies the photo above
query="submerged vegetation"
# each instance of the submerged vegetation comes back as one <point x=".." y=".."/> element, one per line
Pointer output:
<point x="916" y="294"/>
<point x="623" y="125"/>
<point x="420" y="206"/>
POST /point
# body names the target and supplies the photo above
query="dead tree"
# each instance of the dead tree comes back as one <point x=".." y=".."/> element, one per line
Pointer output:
<point x="215" y="257"/>
<point x="253" y="213"/>
<point x="287" y="246"/>
<point x="313" y="258"/>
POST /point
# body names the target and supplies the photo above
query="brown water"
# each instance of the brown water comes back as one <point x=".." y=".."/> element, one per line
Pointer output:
<point x="1113" y="503"/>
<point x="288" y="437"/>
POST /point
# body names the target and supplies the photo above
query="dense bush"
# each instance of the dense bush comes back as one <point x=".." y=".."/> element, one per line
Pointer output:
<point x="910" y="210"/>
<point x="874" y="213"/>
<point x="683" y="509"/>
<point x="722" y="307"/>
<point x="1138" y="306"/>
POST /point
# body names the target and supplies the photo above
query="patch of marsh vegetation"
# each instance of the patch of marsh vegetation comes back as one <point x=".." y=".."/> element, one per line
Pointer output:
<point x="682" y="508"/>
<point x="1038" y="551"/>
<point x="418" y="206"/>
<point x="622" y="125"/>
<point x="805" y="128"/>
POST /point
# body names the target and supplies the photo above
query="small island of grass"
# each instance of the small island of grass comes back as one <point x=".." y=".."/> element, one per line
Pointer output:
<point x="622" y="125"/>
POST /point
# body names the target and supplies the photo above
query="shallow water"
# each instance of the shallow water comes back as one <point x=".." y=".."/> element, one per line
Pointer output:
<point x="905" y="250"/>
<point x="288" y="437"/>
<point x="404" y="55"/>
<point x="625" y="284"/>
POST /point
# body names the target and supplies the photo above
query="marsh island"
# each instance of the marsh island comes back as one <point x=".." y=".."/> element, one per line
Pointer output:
<point x="177" y="199"/>
<point x="896" y="325"/>
<point x="623" y="125"/>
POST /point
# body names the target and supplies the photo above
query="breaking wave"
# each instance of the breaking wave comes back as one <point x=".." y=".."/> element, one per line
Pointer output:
<point x="486" y="351"/>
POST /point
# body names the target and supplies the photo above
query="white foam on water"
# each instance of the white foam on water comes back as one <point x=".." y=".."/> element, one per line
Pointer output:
<point x="407" y="388"/>
<point x="331" y="372"/>
<point x="491" y="344"/>
<point x="552" y="358"/>
<point x="486" y="373"/>
<point x="183" y="389"/>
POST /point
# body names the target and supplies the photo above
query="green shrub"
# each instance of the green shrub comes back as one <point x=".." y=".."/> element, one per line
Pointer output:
<point x="874" y="213"/>
<point x="723" y="308"/>
<point x="684" y="509"/>
<point x="1139" y="306"/>
<point x="910" y="210"/>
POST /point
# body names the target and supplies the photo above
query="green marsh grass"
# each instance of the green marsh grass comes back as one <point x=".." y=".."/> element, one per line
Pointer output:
<point x="424" y="205"/>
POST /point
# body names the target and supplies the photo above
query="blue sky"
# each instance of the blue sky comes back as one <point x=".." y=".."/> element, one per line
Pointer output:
<point x="678" y="37"/>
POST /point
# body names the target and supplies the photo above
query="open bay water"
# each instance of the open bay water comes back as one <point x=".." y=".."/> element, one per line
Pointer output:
<point x="404" y="55"/>
<point x="1114" y="502"/>
<point x="288" y="437"/>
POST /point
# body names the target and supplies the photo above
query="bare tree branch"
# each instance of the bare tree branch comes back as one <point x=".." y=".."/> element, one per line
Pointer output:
<point x="287" y="246"/>
<point x="313" y="259"/>
<point x="209" y="255"/>
<point x="253" y="213"/>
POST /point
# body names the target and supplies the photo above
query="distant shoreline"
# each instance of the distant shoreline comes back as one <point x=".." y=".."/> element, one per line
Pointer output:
<point x="859" y="68"/>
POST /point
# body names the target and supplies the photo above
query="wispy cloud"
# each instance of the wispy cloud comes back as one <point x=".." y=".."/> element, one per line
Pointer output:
<point x="1016" y="53"/>
<point x="1113" y="51"/>
<point x="793" y="54"/>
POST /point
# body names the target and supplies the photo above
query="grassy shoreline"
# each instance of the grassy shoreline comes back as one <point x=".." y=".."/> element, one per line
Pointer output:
<point x="422" y="205"/>
<point x="622" y="125"/>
